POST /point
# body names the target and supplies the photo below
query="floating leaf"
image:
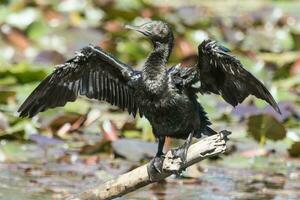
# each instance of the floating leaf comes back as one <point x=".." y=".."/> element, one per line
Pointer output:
<point x="135" y="51"/>
<point x="63" y="119"/>
<point x="37" y="29"/>
<point x="128" y="5"/>
<point x="22" y="18"/>
<point x="294" y="150"/>
<point x="15" y="131"/>
<point x="71" y="5"/>
<point x="3" y="122"/>
<point x="80" y="106"/>
<point x="262" y="127"/>
<point x="9" y="80"/>
<point x="23" y="72"/>
<point x="296" y="37"/>
<point x="6" y="94"/>
<point x="132" y="133"/>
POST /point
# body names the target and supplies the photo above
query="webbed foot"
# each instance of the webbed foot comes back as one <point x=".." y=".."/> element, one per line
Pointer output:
<point x="180" y="153"/>
<point x="155" y="168"/>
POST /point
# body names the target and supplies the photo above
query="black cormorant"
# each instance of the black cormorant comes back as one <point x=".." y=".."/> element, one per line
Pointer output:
<point x="166" y="97"/>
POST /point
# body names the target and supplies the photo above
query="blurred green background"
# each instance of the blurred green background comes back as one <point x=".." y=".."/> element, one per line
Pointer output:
<point x="66" y="150"/>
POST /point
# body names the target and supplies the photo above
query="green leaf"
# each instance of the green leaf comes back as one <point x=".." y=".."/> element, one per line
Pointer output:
<point x="132" y="134"/>
<point x="9" y="80"/>
<point x="80" y="106"/>
<point x="128" y="5"/>
<point x="6" y="94"/>
<point x="23" y="72"/>
<point x="133" y="50"/>
<point x="16" y="130"/>
<point x="37" y="29"/>
<point x="294" y="150"/>
<point x="263" y="126"/>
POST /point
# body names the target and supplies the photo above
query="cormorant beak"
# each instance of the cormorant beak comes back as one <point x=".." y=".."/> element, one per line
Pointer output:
<point x="138" y="29"/>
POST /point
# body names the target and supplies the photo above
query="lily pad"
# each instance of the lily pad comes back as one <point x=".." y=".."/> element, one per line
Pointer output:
<point x="23" y="72"/>
<point x="263" y="126"/>
<point x="294" y="150"/>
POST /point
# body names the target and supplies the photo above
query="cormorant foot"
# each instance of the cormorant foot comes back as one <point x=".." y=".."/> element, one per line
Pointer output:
<point x="225" y="132"/>
<point x="157" y="163"/>
<point x="155" y="168"/>
<point x="180" y="153"/>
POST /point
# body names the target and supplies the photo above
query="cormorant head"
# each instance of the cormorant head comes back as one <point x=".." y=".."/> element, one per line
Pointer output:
<point x="156" y="31"/>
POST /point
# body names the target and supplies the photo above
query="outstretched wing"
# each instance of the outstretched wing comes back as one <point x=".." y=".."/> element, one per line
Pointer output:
<point x="93" y="73"/>
<point x="220" y="73"/>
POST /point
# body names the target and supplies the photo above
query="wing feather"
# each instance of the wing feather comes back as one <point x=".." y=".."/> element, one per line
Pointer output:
<point x="223" y="74"/>
<point x="220" y="73"/>
<point x="93" y="73"/>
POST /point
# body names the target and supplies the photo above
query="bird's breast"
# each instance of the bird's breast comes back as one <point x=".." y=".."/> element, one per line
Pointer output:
<point x="168" y="113"/>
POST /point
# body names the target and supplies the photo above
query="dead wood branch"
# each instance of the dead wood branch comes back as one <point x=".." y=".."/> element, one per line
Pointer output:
<point x="137" y="178"/>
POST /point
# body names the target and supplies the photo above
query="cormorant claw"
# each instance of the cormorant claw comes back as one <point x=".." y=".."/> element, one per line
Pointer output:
<point x="181" y="153"/>
<point x="155" y="168"/>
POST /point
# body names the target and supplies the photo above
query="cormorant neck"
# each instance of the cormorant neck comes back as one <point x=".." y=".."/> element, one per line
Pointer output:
<point x="159" y="57"/>
<point x="154" y="72"/>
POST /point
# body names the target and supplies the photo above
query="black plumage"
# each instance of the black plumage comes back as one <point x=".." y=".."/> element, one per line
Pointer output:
<point x="226" y="76"/>
<point x="166" y="97"/>
<point x="91" y="73"/>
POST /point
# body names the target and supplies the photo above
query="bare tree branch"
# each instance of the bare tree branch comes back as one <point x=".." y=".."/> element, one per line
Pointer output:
<point x="137" y="178"/>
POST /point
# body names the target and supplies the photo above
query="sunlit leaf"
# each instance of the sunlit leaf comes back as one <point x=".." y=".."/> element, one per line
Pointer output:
<point x="16" y="131"/>
<point x="80" y="106"/>
<point x="132" y="133"/>
<point x="37" y="29"/>
<point x="9" y="80"/>
<point x="13" y="151"/>
<point x="22" y="18"/>
<point x="71" y="5"/>
<point x="3" y="12"/>
<point x="134" y="51"/>
<point x="128" y="4"/>
<point x="23" y="72"/>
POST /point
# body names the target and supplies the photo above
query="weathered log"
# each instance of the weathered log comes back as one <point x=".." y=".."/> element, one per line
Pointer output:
<point x="137" y="178"/>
